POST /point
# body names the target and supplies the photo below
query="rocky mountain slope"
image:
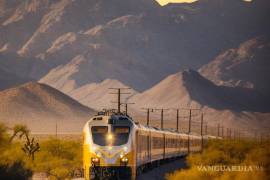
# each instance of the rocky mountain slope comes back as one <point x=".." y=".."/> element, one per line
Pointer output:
<point x="233" y="107"/>
<point x="41" y="107"/>
<point x="125" y="40"/>
<point x="246" y="66"/>
<point x="99" y="95"/>
<point x="83" y="47"/>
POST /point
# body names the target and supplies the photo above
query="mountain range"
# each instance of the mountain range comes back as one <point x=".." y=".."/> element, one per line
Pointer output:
<point x="235" y="107"/>
<point x="41" y="107"/>
<point x="210" y="54"/>
<point x="123" y="40"/>
<point x="247" y="66"/>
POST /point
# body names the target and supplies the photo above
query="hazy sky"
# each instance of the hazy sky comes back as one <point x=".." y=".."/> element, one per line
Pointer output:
<point x="164" y="2"/>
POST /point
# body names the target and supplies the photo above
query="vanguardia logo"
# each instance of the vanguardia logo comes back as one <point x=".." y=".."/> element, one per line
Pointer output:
<point x="232" y="168"/>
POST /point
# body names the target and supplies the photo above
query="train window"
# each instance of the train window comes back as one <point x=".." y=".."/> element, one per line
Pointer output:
<point x="113" y="119"/>
<point x="119" y="130"/>
<point x="121" y="134"/>
<point x="143" y="141"/>
<point x="97" y="118"/>
<point x="157" y="142"/>
<point x="123" y="119"/>
<point x="99" y="135"/>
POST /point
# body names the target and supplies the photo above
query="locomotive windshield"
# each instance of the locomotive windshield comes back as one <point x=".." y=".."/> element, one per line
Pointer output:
<point x="119" y="135"/>
<point x="99" y="134"/>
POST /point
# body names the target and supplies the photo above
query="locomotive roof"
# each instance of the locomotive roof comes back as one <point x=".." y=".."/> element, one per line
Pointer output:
<point x="155" y="129"/>
<point x="122" y="116"/>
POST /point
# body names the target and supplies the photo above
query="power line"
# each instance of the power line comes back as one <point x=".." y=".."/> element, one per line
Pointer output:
<point x="162" y="116"/>
<point x="126" y="106"/>
<point x="202" y="132"/>
<point x="177" y="118"/>
<point x="119" y="93"/>
<point x="148" y="114"/>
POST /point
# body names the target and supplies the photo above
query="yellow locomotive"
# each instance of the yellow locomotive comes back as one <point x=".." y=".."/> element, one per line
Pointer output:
<point x="114" y="146"/>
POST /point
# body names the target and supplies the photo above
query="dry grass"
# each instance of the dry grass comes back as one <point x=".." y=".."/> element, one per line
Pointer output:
<point x="228" y="154"/>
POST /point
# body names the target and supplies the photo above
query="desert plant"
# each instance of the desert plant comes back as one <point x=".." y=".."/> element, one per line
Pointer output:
<point x="31" y="147"/>
<point x="15" y="171"/>
<point x="3" y="136"/>
<point x="59" y="159"/>
<point x="19" y="130"/>
<point x="12" y="163"/>
<point x="228" y="153"/>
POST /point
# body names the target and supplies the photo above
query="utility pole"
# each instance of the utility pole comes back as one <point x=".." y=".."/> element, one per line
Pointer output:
<point x="126" y="107"/>
<point x="202" y="131"/>
<point x="119" y="93"/>
<point x="148" y="115"/>
<point x="189" y="116"/>
<point x="218" y="127"/>
<point x="119" y="100"/>
<point x="202" y="124"/>
<point x="189" y="125"/>
<point x="222" y="131"/>
<point x="161" y="117"/>
<point x="189" y="130"/>
<point x="177" y="120"/>
<point x="56" y="129"/>
<point x="189" y="122"/>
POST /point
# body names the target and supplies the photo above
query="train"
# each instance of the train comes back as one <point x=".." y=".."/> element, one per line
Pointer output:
<point x="117" y="147"/>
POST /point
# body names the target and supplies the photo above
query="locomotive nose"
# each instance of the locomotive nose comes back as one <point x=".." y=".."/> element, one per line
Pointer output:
<point x="108" y="145"/>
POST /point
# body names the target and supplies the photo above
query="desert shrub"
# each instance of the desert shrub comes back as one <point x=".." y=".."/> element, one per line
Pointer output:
<point x="15" y="170"/>
<point x="12" y="159"/>
<point x="191" y="174"/>
<point x="58" y="158"/>
<point x="228" y="153"/>
<point x="4" y="137"/>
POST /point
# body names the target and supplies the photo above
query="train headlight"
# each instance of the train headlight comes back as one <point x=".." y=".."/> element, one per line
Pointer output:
<point x="109" y="137"/>
<point x="95" y="160"/>
<point x="98" y="154"/>
<point x="124" y="160"/>
<point x="125" y="148"/>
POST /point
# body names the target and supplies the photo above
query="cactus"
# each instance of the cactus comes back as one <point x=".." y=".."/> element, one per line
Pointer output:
<point x="31" y="147"/>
